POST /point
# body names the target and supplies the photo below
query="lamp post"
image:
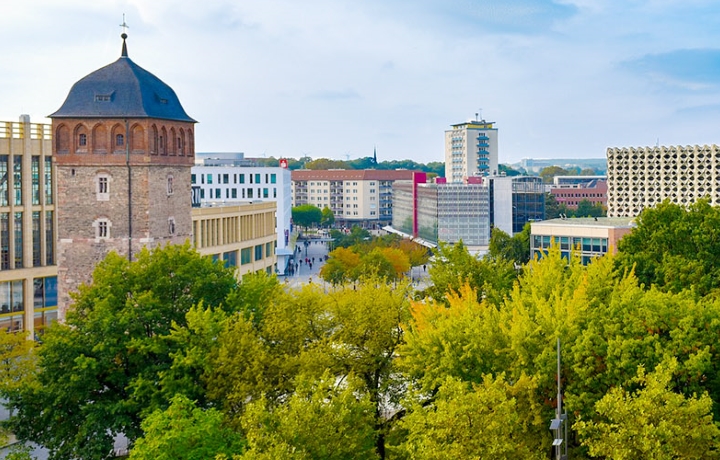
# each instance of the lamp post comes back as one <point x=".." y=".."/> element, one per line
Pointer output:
<point x="559" y="424"/>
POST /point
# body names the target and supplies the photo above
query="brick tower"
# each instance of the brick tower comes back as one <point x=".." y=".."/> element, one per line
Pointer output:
<point x="123" y="148"/>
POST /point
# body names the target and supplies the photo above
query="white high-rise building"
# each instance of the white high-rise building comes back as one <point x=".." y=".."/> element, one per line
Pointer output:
<point x="471" y="149"/>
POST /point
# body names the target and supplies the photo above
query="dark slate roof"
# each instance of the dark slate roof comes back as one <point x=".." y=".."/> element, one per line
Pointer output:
<point x="122" y="89"/>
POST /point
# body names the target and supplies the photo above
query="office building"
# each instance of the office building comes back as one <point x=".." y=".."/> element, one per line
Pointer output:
<point x="646" y="176"/>
<point x="588" y="237"/>
<point x="441" y="211"/>
<point x="242" y="235"/>
<point x="471" y="149"/>
<point x="576" y="189"/>
<point x="230" y="181"/>
<point x="28" y="253"/>
<point x="515" y="201"/>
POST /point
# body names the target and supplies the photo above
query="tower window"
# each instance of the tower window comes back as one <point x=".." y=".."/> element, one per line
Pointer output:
<point x="119" y="139"/>
<point x="170" y="185"/>
<point x="102" y="98"/>
<point x="171" y="225"/>
<point x="82" y="139"/>
<point x="102" y="228"/>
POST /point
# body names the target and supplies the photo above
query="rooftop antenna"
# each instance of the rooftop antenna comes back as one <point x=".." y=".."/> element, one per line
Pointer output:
<point x="479" y="112"/>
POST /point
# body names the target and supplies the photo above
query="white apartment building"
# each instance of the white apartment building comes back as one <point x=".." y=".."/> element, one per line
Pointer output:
<point x="356" y="197"/>
<point x="646" y="176"/>
<point x="228" y="181"/>
<point x="471" y="149"/>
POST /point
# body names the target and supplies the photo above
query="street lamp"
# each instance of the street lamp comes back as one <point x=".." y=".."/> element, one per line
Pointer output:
<point x="559" y="424"/>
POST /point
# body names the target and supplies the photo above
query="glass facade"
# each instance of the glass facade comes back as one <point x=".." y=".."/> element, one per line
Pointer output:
<point x="35" y="176"/>
<point x="464" y="214"/>
<point x="528" y="201"/>
<point x="402" y="218"/>
<point x="4" y="180"/>
<point x="17" y="180"/>
<point x="427" y="212"/>
<point x="586" y="248"/>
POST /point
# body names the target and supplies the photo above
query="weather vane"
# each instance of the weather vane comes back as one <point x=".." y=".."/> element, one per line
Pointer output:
<point x="124" y="25"/>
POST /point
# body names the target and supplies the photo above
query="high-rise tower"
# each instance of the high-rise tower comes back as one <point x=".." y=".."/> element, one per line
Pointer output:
<point x="123" y="148"/>
<point x="471" y="149"/>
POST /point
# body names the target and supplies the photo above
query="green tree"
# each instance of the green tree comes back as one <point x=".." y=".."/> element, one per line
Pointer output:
<point x="328" y="218"/>
<point x="351" y="331"/>
<point x="514" y="248"/>
<point x="549" y="172"/>
<point x="341" y="266"/>
<point x="320" y="420"/>
<point x="470" y="421"/>
<point x="357" y="236"/>
<point x="454" y="266"/>
<point x="652" y="422"/>
<point x="324" y="163"/>
<point x="552" y="207"/>
<point x="675" y="248"/>
<point x="185" y="432"/>
<point x="306" y="215"/>
<point x="586" y="208"/>
<point x="508" y="170"/>
<point x="99" y="373"/>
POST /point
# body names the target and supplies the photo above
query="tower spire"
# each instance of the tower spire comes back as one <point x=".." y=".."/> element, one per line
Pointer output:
<point x="124" y="25"/>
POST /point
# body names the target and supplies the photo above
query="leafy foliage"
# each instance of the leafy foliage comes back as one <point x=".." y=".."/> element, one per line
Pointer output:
<point x="651" y="422"/>
<point x="99" y="373"/>
<point x="470" y="421"/>
<point x="185" y="432"/>
<point x="675" y="248"/>
<point x="514" y="248"/>
<point x="454" y="266"/>
<point x="306" y="215"/>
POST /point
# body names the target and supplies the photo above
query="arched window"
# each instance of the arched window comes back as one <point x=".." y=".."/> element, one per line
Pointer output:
<point x="118" y="138"/>
<point x="81" y="139"/>
<point x="190" y="144"/>
<point x="99" y="139"/>
<point x="137" y="141"/>
<point x="172" y="141"/>
<point x="181" y="142"/>
<point x="163" y="141"/>
<point x="155" y="141"/>
<point x="62" y="139"/>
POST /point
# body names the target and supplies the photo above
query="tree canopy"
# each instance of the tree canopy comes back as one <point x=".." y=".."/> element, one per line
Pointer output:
<point x="172" y="352"/>
<point x="306" y="215"/>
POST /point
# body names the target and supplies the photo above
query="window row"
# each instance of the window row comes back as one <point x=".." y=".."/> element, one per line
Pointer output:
<point x="13" y="234"/>
<point x="232" y="193"/>
<point x="101" y="139"/>
<point x="224" y="178"/>
<point x="103" y="228"/>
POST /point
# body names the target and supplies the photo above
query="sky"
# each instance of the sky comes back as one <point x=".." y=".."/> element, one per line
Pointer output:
<point x="337" y="78"/>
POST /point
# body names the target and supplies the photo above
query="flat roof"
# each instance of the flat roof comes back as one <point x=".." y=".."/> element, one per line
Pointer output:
<point x="616" y="222"/>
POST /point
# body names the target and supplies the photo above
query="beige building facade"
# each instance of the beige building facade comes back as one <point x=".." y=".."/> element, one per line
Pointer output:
<point x="643" y="177"/>
<point x="28" y="271"/>
<point x="355" y="196"/>
<point x="242" y="235"/>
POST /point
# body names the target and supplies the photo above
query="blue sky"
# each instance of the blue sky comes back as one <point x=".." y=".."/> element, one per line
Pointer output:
<point x="335" y="78"/>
